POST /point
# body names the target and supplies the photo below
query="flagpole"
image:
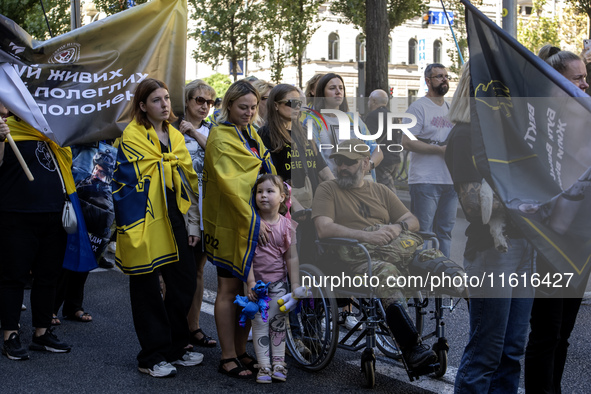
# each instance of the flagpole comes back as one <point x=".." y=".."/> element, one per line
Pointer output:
<point x="18" y="155"/>
<point x="452" y="33"/>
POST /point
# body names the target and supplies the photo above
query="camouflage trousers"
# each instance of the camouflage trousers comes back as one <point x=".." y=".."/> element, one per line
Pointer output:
<point x="388" y="262"/>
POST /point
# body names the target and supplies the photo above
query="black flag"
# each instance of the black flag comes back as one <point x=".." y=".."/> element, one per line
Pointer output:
<point x="530" y="141"/>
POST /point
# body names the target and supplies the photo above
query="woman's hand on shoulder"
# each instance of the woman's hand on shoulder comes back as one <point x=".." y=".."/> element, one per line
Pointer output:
<point x="185" y="127"/>
<point x="263" y="237"/>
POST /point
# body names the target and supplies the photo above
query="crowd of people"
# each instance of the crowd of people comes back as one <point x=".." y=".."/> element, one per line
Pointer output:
<point x="221" y="186"/>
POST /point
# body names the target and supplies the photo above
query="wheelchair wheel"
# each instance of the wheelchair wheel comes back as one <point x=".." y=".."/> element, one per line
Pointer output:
<point x="386" y="343"/>
<point x="313" y="334"/>
<point x="368" y="367"/>
<point x="442" y="356"/>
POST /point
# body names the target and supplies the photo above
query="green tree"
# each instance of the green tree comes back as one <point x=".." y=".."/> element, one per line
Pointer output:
<point x="270" y="35"/>
<point x="399" y="11"/>
<point x="536" y="30"/>
<point x="380" y="26"/>
<point x="286" y="33"/>
<point x="583" y="6"/>
<point x="302" y="22"/>
<point x="223" y="28"/>
<point x="28" y="14"/>
<point x="573" y="28"/>
<point x="111" y="7"/>
<point x="220" y="82"/>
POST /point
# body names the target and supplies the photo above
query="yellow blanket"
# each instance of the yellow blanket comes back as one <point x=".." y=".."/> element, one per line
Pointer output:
<point x="145" y="239"/>
<point x="231" y="224"/>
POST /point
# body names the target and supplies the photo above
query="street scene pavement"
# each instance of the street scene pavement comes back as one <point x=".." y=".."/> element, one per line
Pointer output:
<point x="103" y="352"/>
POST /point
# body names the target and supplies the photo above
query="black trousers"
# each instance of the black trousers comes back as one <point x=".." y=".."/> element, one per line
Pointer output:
<point x="70" y="292"/>
<point x="161" y="324"/>
<point x="552" y="321"/>
<point x="36" y="243"/>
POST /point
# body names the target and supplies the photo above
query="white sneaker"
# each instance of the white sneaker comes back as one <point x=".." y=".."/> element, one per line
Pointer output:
<point x="351" y="322"/>
<point x="189" y="359"/>
<point x="160" y="370"/>
<point x="112" y="247"/>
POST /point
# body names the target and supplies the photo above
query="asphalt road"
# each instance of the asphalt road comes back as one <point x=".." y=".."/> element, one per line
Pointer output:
<point x="103" y="355"/>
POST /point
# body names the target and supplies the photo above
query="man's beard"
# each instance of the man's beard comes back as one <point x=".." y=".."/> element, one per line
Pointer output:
<point x="442" y="89"/>
<point x="346" y="180"/>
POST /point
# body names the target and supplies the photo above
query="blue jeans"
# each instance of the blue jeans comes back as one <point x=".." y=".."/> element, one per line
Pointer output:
<point x="499" y="322"/>
<point x="436" y="207"/>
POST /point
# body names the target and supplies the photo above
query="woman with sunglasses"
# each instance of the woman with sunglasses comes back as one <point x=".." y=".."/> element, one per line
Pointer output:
<point x="199" y="98"/>
<point x="296" y="159"/>
<point x="330" y="94"/>
<point x="234" y="158"/>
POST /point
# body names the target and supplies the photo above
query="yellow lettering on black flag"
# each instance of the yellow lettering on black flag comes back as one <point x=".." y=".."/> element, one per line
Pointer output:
<point x="530" y="141"/>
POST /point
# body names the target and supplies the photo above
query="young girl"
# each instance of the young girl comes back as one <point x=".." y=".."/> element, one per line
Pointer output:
<point x="271" y="263"/>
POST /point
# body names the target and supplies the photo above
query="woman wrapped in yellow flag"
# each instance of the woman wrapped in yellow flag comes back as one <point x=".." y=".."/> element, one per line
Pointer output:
<point x="234" y="157"/>
<point x="157" y="217"/>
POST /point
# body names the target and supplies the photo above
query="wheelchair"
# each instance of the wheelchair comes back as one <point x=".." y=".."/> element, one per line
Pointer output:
<point x="316" y="322"/>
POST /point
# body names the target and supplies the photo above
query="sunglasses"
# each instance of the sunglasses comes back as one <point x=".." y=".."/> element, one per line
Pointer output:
<point x="292" y="103"/>
<point x="200" y="100"/>
<point x="340" y="160"/>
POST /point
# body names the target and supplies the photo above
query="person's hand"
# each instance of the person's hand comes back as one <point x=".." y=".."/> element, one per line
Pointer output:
<point x="384" y="235"/>
<point x="577" y="190"/>
<point x="263" y="234"/>
<point x="185" y="127"/>
<point x="193" y="240"/>
<point x="252" y="296"/>
<point x="586" y="55"/>
<point x="4" y="130"/>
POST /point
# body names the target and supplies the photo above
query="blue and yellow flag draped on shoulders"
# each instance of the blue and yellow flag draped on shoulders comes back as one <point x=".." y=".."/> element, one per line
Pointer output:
<point x="231" y="223"/>
<point x="530" y="140"/>
<point x="145" y="239"/>
<point x="79" y="255"/>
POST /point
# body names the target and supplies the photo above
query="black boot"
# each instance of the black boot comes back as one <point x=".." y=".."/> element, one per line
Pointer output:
<point x="406" y="335"/>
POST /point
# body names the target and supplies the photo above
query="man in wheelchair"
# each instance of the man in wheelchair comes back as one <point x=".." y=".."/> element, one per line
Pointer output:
<point x="350" y="207"/>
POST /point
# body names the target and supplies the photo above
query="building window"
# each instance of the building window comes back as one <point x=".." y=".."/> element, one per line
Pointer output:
<point x="412" y="96"/>
<point x="390" y="50"/>
<point x="412" y="51"/>
<point x="360" y="48"/>
<point x="333" y="46"/>
<point x="437" y="51"/>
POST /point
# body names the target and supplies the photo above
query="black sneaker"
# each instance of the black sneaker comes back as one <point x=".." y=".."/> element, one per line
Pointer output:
<point x="419" y="356"/>
<point x="106" y="264"/>
<point x="13" y="349"/>
<point x="49" y="342"/>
